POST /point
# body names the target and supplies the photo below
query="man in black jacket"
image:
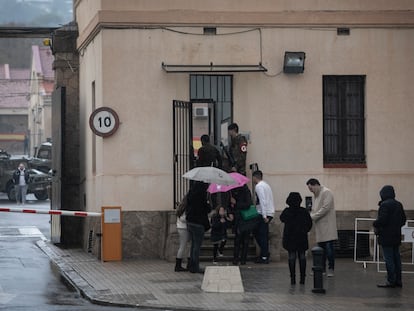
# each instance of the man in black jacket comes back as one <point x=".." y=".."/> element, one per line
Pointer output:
<point x="197" y="212"/>
<point x="390" y="219"/>
<point x="208" y="155"/>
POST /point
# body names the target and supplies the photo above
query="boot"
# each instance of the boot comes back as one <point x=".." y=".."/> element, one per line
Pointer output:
<point x="292" y="271"/>
<point x="178" y="267"/>
<point x="188" y="263"/>
<point x="302" y="267"/>
<point x="244" y="250"/>
<point x="221" y="248"/>
<point x="215" y="251"/>
<point x="236" y="252"/>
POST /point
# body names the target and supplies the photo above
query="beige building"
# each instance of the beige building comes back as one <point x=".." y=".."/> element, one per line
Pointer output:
<point x="346" y="120"/>
<point x="41" y="87"/>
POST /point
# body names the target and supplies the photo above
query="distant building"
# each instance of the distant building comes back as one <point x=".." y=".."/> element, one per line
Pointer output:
<point x="41" y="87"/>
<point x="14" y="100"/>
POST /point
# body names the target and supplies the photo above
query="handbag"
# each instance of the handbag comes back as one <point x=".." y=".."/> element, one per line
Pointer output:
<point x="249" y="213"/>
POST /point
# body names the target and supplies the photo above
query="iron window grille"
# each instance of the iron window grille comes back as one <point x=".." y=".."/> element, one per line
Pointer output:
<point x="344" y="120"/>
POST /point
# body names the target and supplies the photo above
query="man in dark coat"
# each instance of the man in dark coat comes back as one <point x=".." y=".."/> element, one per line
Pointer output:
<point x="390" y="219"/>
<point x="295" y="234"/>
<point x="208" y="155"/>
<point x="197" y="212"/>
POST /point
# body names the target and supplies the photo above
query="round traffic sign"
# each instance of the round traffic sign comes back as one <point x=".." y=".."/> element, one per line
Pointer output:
<point x="104" y="121"/>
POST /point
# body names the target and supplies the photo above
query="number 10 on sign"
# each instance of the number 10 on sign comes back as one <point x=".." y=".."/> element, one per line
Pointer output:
<point x="104" y="121"/>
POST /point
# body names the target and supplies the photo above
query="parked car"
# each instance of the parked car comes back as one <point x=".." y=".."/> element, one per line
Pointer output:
<point x="38" y="181"/>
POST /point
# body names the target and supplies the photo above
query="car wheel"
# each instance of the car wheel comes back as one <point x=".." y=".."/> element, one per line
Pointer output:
<point x="11" y="193"/>
<point x="41" y="195"/>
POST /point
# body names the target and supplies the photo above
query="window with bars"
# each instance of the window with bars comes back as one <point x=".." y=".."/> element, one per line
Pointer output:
<point x="343" y="120"/>
<point x="215" y="87"/>
<point x="218" y="88"/>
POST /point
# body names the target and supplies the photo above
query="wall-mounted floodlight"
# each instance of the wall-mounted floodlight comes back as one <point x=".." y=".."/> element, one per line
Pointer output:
<point x="294" y="62"/>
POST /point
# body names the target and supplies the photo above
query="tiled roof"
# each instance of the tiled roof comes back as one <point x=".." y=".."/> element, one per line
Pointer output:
<point x="14" y="87"/>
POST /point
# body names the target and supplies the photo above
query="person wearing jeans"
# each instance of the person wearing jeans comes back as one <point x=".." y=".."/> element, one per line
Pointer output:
<point x="328" y="253"/>
<point x="392" y="260"/>
<point x="21" y="180"/>
<point x="196" y="232"/>
<point x="391" y="217"/>
<point x="323" y="215"/>
<point x="197" y="221"/>
<point x="266" y="208"/>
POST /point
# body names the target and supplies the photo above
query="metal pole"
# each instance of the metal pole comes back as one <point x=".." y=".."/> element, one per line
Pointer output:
<point x="317" y="253"/>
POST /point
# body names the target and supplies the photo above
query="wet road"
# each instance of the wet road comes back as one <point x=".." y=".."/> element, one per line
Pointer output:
<point x="28" y="280"/>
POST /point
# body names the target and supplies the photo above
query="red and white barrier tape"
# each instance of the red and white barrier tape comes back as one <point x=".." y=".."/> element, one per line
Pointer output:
<point x="50" y="212"/>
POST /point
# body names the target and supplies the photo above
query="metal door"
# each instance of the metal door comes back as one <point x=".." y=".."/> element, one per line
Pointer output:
<point x="183" y="150"/>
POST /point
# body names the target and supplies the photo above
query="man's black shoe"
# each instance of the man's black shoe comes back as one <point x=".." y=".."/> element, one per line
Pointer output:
<point x="398" y="285"/>
<point x="264" y="260"/>
<point x="386" y="285"/>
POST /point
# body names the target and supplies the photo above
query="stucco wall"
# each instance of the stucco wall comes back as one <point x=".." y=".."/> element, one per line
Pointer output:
<point x="283" y="113"/>
<point x="123" y="43"/>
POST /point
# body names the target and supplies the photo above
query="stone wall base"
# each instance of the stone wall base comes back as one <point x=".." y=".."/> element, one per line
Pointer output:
<point x="154" y="234"/>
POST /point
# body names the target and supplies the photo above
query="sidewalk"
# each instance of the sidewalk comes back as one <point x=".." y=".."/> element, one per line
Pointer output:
<point x="154" y="284"/>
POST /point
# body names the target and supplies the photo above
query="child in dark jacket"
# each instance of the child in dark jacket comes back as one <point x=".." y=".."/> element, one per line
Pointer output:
<point x="219" y="224"/>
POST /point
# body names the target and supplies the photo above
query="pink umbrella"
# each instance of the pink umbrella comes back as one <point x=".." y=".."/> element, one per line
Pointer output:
<point x="239" y="178"/>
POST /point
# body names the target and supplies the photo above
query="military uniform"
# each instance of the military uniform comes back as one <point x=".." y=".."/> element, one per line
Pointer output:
<point x="238" y="152"/>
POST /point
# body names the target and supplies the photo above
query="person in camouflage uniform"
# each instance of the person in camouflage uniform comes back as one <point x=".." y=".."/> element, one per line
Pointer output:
<point x="238" y="149"/>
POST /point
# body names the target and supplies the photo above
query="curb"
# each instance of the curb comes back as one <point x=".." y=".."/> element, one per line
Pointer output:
<point x="75" y="281"/>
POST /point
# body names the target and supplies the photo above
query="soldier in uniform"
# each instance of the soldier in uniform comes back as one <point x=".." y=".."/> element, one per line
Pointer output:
<point x="238" y="149"/>
<point x="208" y="155"/>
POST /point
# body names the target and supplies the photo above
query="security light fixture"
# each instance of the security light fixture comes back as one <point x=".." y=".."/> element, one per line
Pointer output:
<point x="294" y="62"/>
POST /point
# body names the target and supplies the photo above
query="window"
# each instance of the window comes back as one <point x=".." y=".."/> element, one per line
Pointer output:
<point x="218" y="88"/>
<point x="343" y="121"/>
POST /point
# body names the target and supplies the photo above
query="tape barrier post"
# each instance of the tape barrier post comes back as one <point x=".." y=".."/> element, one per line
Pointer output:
<point x="111" y="242"/>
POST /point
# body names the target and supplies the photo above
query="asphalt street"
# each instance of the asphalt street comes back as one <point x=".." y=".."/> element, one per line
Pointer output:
<point x="28" y="279"/>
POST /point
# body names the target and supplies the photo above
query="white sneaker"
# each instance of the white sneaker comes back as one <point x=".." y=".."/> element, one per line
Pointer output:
<point x="330" y="273"/>
<point x="219" y="254"/>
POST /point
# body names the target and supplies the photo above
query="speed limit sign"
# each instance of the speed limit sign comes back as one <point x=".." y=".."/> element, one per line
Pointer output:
<point x="104" y="121"/>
